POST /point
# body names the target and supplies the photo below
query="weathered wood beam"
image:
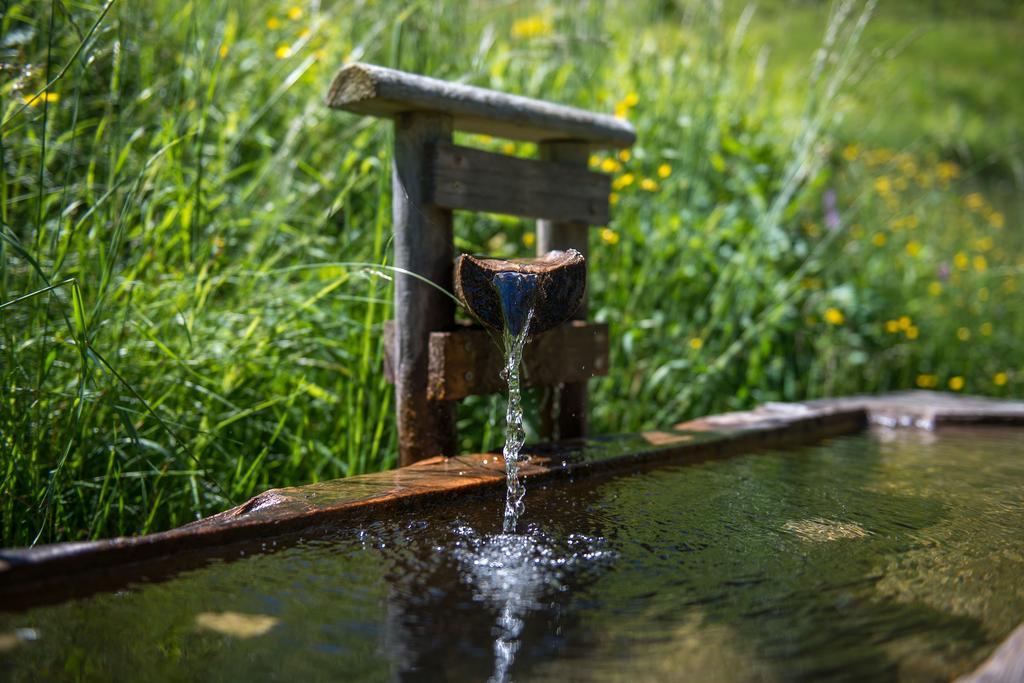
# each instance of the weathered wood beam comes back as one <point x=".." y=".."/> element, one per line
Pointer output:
<point x="468" y="361"/>
<point x="379" y="91"/>
<point x="564" y="409"/>
<point x="474" y="180"/>
<point x="424" y="246"/>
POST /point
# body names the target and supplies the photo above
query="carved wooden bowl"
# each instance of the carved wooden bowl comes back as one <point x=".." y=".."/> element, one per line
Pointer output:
<point x="499" y="292"/>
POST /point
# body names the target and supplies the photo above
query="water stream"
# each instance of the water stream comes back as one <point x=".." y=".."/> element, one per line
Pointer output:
<point x="516" y="292"/>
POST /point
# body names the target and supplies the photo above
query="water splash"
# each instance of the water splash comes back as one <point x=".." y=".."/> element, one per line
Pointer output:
<point x="517" y="573"/>
<point x="517" y="292"/>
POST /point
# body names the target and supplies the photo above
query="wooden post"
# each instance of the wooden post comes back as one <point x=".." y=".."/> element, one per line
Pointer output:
<point x="423" y="245"/>
<point x="566" y="419"/>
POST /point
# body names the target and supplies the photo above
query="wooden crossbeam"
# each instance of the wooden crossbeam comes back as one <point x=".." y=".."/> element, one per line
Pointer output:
<point x="474" y="180"/>
<point x="379" y="91"/>
<point x="468" y="361"/>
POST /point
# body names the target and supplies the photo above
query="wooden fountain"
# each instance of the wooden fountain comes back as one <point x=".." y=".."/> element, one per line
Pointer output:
<point x="432" y="361"/>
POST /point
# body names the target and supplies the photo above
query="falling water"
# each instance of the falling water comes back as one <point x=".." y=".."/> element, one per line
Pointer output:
<point x="515" y="435"/>
<point x="516" y="292"/>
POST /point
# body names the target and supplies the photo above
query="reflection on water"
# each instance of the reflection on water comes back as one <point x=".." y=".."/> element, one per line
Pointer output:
<point x="876" y="557"/>
<point x="512" y="573"/>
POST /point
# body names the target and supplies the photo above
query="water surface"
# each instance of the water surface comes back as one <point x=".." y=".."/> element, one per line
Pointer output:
<point x="894" y="555"/>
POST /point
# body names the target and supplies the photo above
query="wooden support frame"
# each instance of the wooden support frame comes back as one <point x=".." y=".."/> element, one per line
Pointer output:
<point x="431" y="178"/>
<point x="423" y="245"/>
<point x="564" y="408"/>
<point x="467" y="361"/>
<point x="475" y="180"/>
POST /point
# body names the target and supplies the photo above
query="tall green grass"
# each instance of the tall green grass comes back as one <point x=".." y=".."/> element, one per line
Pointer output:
<point x="193" y="276"/>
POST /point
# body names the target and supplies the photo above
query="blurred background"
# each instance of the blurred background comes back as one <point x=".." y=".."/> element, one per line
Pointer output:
<point x="825" y="198"/>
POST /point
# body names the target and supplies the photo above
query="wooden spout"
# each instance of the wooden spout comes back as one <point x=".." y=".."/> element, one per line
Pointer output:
<point x="555" y="290"/>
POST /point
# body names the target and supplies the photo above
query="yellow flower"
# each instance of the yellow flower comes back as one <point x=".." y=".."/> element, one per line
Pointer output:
<point x="609" y="236"/>
<point x="927" y="381"/>
<point x="631" y="99"/>
<point x="609" y="165"/>
<point x="613" y="198"/>
<point x="974" y="201"/>
<point x="850" y="152"/>
<point x="960" y="260"/>
<point x="304" y="33"/>
<point x="996" y="220"/>
<point x="999" y="379"/>
<point x="935" y="288"/>
<point x="696" y="343"/>
<point x="904" y="322"/>
<point x="649" y="185"/>
<point x="879" y="239"/>
<point x="625" y="155"/>
<point x="912" y="332"/>
<point x="913" y="248"/>
<point x="947" y="170"/>
<point x="529" y="239"/>
<point x="984" y="243"/>
<point x="508" y="148"/>
<point x="223" y="51"/>
<point x="282" y="51"/>
<point x="892" y="326"/>
<point x="273" y="23"/>
<point x="534" y="26"/>
<point x="33" y="101"/>
<point x="664" y="171"/>
<point x="956" y="383"/>
<point x="624" y="180"/>
<point x="594" y="160"/>
<point x="963" y="334"/>
<point x="833" y="316"/>
<point x="986" y="329"/>
<point x="295" y="13"/>
<point x="883" y="186"/>
<point x="980" y="263"/>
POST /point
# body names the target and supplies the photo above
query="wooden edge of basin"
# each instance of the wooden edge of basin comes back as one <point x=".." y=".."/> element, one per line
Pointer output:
<point x="278" y="517"/>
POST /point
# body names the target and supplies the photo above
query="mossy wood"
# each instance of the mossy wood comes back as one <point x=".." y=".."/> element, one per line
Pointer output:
<point x="379" y="91"/>
<point x="561" y="282"/>
<point x="475" y="180"/>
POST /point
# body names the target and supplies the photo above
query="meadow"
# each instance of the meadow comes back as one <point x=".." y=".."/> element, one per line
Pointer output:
<point x="194" y="250"/>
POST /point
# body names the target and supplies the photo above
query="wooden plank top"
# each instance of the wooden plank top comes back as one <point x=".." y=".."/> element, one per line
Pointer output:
<point x="379" y="91"/>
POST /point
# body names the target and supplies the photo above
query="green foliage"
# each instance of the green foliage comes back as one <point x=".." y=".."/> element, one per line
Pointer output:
<point x="193" y="275"/>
